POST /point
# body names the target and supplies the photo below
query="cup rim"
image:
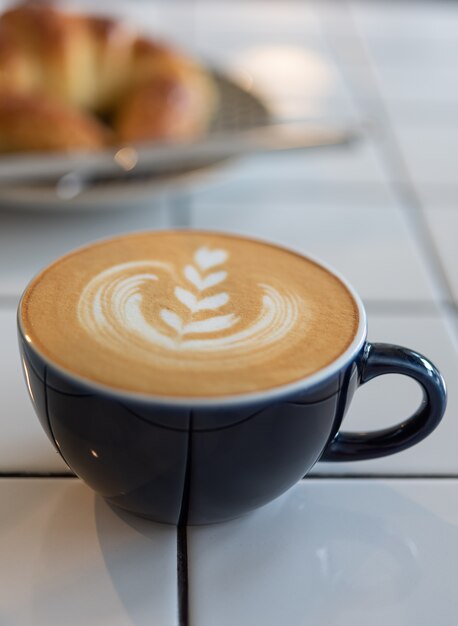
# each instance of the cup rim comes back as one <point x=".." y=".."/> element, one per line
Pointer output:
<point x="192" y="402"/>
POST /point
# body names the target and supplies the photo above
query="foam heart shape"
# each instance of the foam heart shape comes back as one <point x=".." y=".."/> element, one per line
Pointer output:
<point x="206" y="258"/>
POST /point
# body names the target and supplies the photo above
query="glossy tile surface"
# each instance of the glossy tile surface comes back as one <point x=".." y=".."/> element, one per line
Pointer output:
<point x="67" y="558"/>
<point x="332" y="552"/>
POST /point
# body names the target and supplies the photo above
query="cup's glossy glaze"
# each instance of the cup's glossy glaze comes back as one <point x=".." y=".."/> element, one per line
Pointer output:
<point x="200" y="461"/>
<point x="197" y="464"/>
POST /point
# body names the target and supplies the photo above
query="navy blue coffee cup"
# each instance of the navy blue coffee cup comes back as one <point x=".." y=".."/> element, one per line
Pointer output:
<point x="199" y="461"/>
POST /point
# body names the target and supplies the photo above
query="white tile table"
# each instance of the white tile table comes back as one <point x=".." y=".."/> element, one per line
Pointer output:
<point x="332" y="552"/>
<point x="430" y="152"/>
<point x="418" y="84"/>
<point x="410" y="50"/>
<point x="69" y="559"/>
<point x="337" y="549"/>
<point x="429" y="19"/>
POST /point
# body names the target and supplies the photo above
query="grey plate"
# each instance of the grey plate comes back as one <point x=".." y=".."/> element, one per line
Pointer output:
<point x="238" y="109"/>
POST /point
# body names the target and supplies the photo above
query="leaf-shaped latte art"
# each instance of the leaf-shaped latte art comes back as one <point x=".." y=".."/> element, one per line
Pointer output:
<point x="172" y="319"/>
<point x="213" y="302"/>
<point x="186" y="297"/>
<point x="203" y="282"/>
<point x="193" y="304"/>
<point x="111" y="310"/>
<point x="211" y="324"/>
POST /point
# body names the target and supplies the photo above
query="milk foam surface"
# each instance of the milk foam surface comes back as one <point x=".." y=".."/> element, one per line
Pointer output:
<point x="189" y="314"/>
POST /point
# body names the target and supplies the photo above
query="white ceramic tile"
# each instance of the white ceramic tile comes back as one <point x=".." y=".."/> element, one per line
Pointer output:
<point x="24" y="447"/>
<point x="439" y="196"/>
<point x="334" y="14"/>
<point x="431" y="152"/>
<point x="413" y="90"/>
<point x="361" y="83"/>
<point x="349" y="52"/>
<point x="414" y="96"/>
<point x="400" y="19"/>
<point x="335" y="553"/>
<point x="229" y="195"/>
<point x="431" y="84"/>
<point x="372" y="247"/>
<point x="410" y="51"/>
<point x="413" y="114"/>
<point x="390" y="399"/>
<point x="67" y="558"/>
<point x="398" y="37"/>
<point x="29" y="241"/>
<point x="443" y="225"/>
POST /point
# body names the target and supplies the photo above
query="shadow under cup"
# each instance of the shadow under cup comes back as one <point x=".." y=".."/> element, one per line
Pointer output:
<point x="200" y="463"/>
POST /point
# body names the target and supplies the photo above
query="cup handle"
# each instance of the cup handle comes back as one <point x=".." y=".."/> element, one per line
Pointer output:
<point x="384" y="358"/>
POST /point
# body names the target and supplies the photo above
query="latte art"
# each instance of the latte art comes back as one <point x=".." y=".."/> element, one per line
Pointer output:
<point x="110" y="310"/>
<point x="188" y="314"/>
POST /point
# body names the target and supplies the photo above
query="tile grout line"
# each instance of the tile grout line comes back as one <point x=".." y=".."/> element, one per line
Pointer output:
<point x="416" y="308"/>
<point x="9" y="300"/>
<point x="320" y="476"/>
<point x="37" y="475"/>
<point x="179" y="209"/>
<point x="182" y="576"/>
<point x="182" y="536"/>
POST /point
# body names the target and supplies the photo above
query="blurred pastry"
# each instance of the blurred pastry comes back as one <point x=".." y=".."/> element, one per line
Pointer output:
<point x="66" y="78"/>
<point x="28" y="123"/>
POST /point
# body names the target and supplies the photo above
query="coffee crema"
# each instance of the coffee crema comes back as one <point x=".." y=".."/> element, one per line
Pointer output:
<point x="188" y="314"/>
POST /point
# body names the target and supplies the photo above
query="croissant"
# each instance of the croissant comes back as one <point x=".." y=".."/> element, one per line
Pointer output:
<point x="70" y="81"/>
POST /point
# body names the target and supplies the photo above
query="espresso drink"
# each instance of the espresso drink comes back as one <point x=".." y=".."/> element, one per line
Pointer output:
<point x="179" y="313"/>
